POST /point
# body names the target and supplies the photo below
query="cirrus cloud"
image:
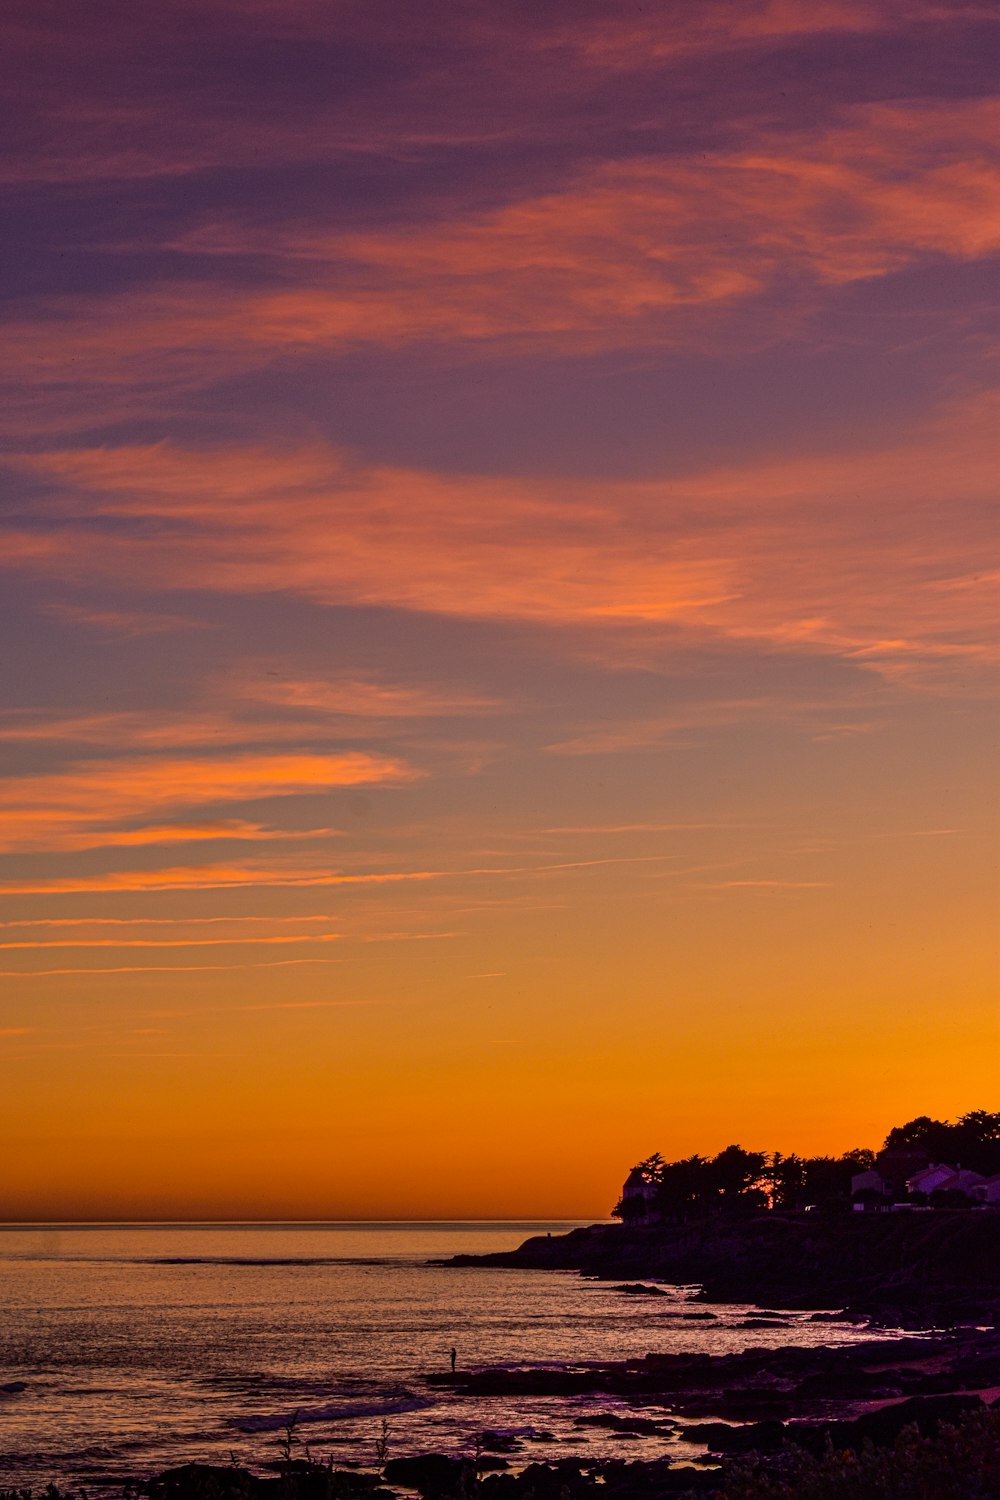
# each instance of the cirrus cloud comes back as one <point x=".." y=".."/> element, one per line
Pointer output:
<point x="57" y="809"/>
<point x="728" y="552"/>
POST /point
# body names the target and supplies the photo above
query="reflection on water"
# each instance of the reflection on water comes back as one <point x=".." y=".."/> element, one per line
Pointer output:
<point x="49" y="1244"/>
<point x="127" y="1350"/>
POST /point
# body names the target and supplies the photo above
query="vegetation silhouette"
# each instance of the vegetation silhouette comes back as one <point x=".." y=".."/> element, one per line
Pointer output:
<point x="951" y="1461"/>
<point x="741" y="1181"/>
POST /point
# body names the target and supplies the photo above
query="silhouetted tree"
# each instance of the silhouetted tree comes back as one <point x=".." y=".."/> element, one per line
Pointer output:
<point x="786" y="1178"/>
<point x="635" y="1205"/>
<point x="737" y="1177"/>
<point x="972" y="1141"/>
<point x="651" y="1169"/>
<point x="683" y="1188"/>
<point x="828" y="1178"/>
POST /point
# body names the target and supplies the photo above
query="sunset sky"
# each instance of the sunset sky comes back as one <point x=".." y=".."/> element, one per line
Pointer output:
<point x="499" y="595"/>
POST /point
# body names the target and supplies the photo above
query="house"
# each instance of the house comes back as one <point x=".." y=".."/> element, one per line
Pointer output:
<point x="964" y="1182"/>
<point x="888" y="1176"/>
<point x="944" y="1179"/>
<point x="639" y="1193"/>
<point x="930" y="1180"/>
<point x="869" y="1184"/>
<point x="987" y="1191"/>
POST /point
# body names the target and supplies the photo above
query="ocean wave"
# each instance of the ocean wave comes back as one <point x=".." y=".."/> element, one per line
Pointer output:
<point x="404" y="1401"/>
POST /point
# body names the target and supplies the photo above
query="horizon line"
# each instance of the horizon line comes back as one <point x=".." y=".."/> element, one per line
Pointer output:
<point x="271" y="1223"/>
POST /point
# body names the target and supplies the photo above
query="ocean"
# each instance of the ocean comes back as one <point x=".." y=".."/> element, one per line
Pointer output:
<point x="125" y="1350"/>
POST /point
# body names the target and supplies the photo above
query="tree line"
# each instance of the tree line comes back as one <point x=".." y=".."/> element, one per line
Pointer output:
<point x="737" y="1179"/>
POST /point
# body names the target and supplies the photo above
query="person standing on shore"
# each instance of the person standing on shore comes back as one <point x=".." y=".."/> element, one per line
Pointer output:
<point x="454" y="1356"/>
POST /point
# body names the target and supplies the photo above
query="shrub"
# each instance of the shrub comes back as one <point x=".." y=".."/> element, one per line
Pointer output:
<point x="960" y="1462"/>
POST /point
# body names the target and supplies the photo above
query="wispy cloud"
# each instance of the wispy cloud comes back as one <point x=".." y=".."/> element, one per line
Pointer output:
<point x="68" y="807"/>
<point x="632" y="252"/>
<point x="161" y="921"/>
<point x="621" y="828"/>
<point x="514" y="76"/>
<point x="128" y="622"/>
<point x="223" y="877"/>
<point x="280" y="1005"/>
<point x="614" y="555"/>
<point x="251" y="706"/>
<point x="770" y="885"/>
<point x="368" y="699"/>
<point x="282" y="963"/>
<point x="222" y="942"/>
<point x="67" y="840"/>
<point x="728" y="552"/>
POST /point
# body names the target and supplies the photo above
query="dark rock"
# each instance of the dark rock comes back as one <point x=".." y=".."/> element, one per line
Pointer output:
<point x="882" y="1427"/>
<point x="647" y="1480"/>
<point x="206" y="1481"/>
<point x="429" y="1473"/>
<point x="644" y="1426"/>
<point x="978" y="1370"/>
<point x="742" y="1405"/>
<point x="720" y="1437"/>
<point x="499" y="1487"/>
<point x="499" y="1442"/>
<point x="924" y="1412"/>
<point x="637" y="1289"/>
<point x="907" y="1270"/>
<point x="847" y="1385"/>
<point x="555" y="1481"/>
<point x="703" y="1432"/>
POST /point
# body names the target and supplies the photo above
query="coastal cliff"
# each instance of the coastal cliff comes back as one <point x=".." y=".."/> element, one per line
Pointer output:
<point x="909" y="1268"/>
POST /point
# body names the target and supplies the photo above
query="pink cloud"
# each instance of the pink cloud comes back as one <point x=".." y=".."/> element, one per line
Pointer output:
<point x="223" y="942"/>
<point x="362" y="698"/>
<point x="281" y="963"/>
<point x="231" y="876"/>
<point x="630" y="253"/>
<point x="726" y="552"/>
<point x="55" y="809"/>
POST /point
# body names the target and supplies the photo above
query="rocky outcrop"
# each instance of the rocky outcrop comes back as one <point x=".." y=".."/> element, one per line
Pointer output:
<point x="911" y="1269"/>
<point x="814" y="1382"/>
<point x="948" y="1448"/>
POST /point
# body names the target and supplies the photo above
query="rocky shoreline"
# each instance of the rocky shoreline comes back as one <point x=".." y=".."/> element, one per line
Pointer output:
<point x="916" y="1415"/>
<point x="903" y="1270"/>
<point x="761" y="1422"/>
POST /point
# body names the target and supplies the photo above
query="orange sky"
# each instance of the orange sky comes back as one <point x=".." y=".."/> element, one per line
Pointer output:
<point x="500" y="581"/>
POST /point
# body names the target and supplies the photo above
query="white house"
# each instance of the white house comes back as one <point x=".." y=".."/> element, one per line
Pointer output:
<point x="964" y="1181"/>
<point x="930" y="1179"/>
<point x="638" y="1185"/>
<point x="944" y="1179"/>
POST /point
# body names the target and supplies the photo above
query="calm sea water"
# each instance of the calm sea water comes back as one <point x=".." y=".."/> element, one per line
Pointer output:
<point x="140" y="1348"/>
